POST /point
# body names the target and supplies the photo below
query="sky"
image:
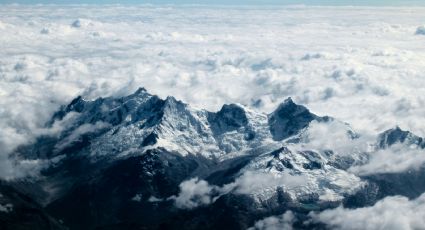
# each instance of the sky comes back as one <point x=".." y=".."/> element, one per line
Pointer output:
<point x="228" y="2"/>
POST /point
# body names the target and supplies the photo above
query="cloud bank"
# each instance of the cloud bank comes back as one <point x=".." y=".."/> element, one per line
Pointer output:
<point x="364" y="69"/>
<point x="394" y="213"/>
<point x="284" y="221"/>
<point x="336" y="136"/>
<point x="398" y="158"/>
<point x="193" y="193"/>
<point x="196" y="192"/>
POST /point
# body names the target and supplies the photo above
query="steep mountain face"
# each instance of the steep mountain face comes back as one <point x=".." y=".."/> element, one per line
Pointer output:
<point x="408" y="183"/>
<point x="142" y="162"/>
<point x="289" y="118"/>
<point x="396" y="135"/>
<point x="18" y="211"/>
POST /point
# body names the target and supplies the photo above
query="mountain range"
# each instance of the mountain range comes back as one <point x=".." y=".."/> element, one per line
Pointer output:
<point x="143" y="162"/>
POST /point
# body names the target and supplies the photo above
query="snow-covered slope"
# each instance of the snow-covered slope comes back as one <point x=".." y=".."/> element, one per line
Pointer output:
<point x="142" y="120"/>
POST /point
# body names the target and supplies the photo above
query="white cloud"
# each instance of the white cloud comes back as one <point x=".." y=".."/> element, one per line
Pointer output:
<point x="12" y="168"/>
<point x="336" y="136"/>
<point x="193" y="193"/>
<point x="251" y="182"/>
<point x="393" y="213"/>
<point x="398" y="158"/>
<point x="137" y="198"/>
<point x="284" y="221"/>
<point x="154" y="199"/>
<point x="78" y="132"/>
<point x="323" y="57"/>
<point x="196" y="192"/>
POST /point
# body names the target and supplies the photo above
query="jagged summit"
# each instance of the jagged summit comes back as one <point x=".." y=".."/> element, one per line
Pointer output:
<point x="173" y="104"/>
<point x="230" y="117"/>
<point x="288" y="101"/>
<point x="397" y="135"/>
<point x="76" y="105"/>
<point x="141" y="90"/>
<point x="289" y="118"/>
<point x="141" y="119"/>
<point x="182" y="127"/>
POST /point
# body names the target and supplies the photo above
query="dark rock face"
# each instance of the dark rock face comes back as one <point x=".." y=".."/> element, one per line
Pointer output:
<point x="396" y="135"/>
<point x="289" y="118"/>
<point x="410" y="184"/>
<point x="23" y="212"/>
<point x="230" y="117"/>
<point x="105" y="198"/>
<point x="151" y="139"/>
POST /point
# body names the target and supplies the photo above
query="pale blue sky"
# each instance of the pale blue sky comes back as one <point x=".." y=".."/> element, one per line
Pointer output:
<point x="230" y="2"/>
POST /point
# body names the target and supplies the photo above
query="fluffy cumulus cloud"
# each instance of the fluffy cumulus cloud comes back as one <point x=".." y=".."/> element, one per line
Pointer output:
<point x="80" y="131"/>
<point x="284" y="221"/>
<point x="337" y="136"/>
<point x="251" y="182"/>
<point x="6" y="208"/>
<point x="193" y="193"/>
<point x="196" y="192"/>
<point x="398" y="158"/>
<point x="364" y="69"/>
<point x="394" y="213"/>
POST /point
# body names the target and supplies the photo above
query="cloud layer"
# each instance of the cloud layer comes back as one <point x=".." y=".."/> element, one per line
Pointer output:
<point x="196" y="192"/>
<point x="193" y="193"/>
<point x="284" y="221"/>
<point x="362" y="68"/>
<point x="398" y="158"/>
<point x="393" y="213"/>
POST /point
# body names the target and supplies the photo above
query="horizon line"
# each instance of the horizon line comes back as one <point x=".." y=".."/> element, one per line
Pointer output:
<point x="215" y="5"/>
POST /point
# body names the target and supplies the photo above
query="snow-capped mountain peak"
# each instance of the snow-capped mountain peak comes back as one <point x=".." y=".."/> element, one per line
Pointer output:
<point x="398" y="136"/>
<point x="289" y="118"/>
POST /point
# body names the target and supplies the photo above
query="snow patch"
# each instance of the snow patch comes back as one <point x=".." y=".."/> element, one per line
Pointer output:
<point x="137" y="198"/>
<point x="154" y="199"/>
<point x="6" y="208"/>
